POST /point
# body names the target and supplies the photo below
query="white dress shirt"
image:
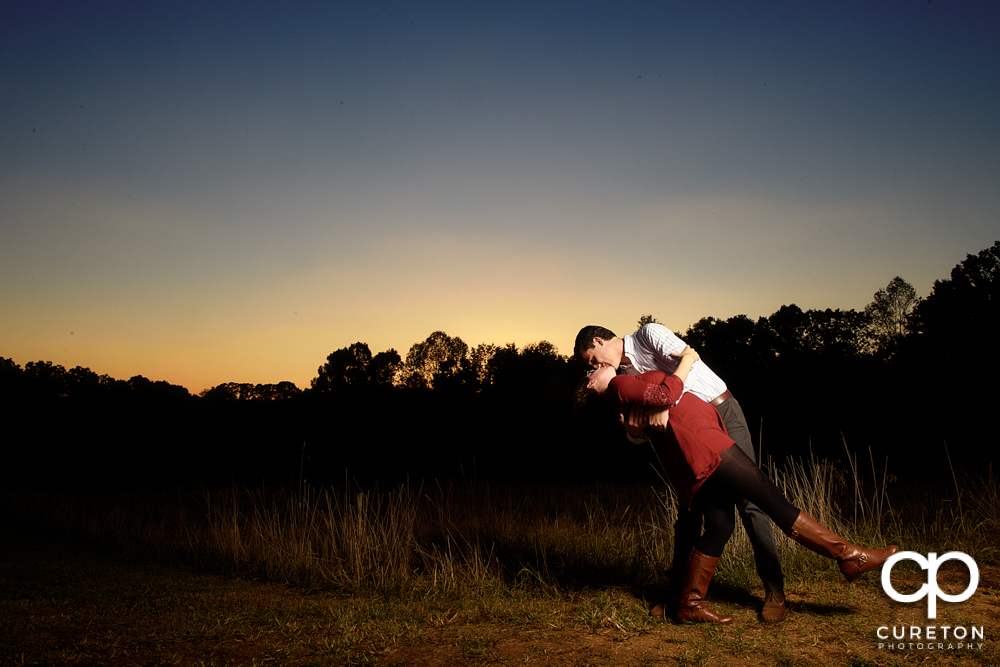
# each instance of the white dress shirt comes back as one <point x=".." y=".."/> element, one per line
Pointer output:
<point x="649" y="349"/>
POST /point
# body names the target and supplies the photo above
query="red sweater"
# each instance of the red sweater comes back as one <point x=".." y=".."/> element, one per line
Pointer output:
<point x="689" y="450"/>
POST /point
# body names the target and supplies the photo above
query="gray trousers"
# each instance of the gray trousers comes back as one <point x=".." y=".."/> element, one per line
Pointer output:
<point x="687" y="530"/>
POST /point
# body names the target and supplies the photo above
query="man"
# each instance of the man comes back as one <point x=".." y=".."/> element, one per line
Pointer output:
<point x="651" y="348"/>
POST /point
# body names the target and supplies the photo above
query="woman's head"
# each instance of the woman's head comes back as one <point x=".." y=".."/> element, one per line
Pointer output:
<point x="592" y="386"/>
<point x="599" y="378"/>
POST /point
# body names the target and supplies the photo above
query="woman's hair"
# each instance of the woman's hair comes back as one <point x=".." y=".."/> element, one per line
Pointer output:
<point x="585" y="399"/>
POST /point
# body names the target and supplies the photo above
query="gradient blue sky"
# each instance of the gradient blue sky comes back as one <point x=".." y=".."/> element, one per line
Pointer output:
<point x="229" y="191"/>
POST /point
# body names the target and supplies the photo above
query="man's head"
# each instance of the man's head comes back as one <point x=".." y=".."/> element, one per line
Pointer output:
<point x="597" y="346"/>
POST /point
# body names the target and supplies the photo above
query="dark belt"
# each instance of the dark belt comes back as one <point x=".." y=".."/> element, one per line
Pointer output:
<point x="721" y="398"/>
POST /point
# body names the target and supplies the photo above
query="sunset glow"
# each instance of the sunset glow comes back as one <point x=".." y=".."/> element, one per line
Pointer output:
<point x="204" y="195"/>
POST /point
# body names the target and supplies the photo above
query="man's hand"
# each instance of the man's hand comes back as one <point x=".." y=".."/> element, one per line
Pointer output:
<point x="657" y="418"/>
<point x="636" y="421"/>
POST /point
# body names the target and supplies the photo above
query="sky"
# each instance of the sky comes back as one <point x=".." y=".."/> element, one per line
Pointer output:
<point x="230" y="191"/>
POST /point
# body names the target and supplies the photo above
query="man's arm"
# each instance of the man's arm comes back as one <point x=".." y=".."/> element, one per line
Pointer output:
<point x="664" y="342"/>
<point x="658" y="345"/>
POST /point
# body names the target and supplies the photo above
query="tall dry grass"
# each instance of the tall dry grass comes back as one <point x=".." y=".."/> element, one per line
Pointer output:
<point x="843" y="498"/>
<point x="451" y="536"/>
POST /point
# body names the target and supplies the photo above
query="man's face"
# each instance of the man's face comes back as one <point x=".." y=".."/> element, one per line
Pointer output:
<point x="601" y="354"/>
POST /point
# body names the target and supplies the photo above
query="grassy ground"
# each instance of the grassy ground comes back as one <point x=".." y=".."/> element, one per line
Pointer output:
<point x="66" y="604"/>
<point x="465" y="575"/>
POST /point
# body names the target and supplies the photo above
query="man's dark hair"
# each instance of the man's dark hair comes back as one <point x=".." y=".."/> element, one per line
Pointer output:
<point x="585" y="339"/>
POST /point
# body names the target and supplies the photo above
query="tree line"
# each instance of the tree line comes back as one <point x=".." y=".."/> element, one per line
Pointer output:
<point x="900" y="378"/>
<point x="907" y="379"/>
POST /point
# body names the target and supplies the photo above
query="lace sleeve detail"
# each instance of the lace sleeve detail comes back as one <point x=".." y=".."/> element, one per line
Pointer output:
<point x="656" y="395"/>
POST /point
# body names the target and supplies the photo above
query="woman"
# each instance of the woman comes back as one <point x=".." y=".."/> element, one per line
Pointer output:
<point x="710" y="475"/>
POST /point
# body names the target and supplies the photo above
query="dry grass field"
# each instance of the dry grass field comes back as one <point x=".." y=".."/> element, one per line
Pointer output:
<point x="463" y="576"/>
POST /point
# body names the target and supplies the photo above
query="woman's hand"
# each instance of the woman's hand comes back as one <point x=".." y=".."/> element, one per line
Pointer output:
<point x="688" y="351"/>
<point x="658" y="417"/>
<point x="640" y="417"/>
<point x="686" y="359"/>
<point x="636" y="421"/>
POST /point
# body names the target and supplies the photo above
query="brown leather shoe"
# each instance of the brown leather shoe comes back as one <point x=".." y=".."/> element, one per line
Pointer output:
<point x="854" y="560"/>
<point x="774" y="607"/>
<point x="692" y="608"/>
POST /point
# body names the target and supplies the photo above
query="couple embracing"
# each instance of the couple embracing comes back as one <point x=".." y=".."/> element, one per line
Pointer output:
<point x="663" y="392"/>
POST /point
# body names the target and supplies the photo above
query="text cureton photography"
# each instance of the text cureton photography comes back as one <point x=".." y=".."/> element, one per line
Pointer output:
<point x="931" y="637"/>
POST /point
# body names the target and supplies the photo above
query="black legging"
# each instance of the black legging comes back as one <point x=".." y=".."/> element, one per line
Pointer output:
<point x="737" y="477"/>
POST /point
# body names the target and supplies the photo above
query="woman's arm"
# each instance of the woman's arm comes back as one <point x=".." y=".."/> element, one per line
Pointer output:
<point x="649" y="390"/>
<point x="687" y="358"/>
<point x="659" y="417"/>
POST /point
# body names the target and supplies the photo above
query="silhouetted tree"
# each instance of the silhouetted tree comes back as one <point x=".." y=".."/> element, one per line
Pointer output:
<point x="230" y="391"/>
<point x="789" y="332"/>
<point x="721" y="339"/>
<point x="736" y="349"/>
<point x="479" y="361"/>
<point x="80" y="380"/>
<point x="839" y="334"/>
<point x="647" y="319"/>
<point x="245" y="391"/>
<point x="12" y="381"/>
<point x="10" y="372"/>
<point x="143" y="387"/>
<point x="44" y="377"/>
<point x="438" y="359"/>
<point x="385" y="367"/>
<point x="227" y="391"/>
<point x="889" y="312"/>
<point x="965" y="307"/>
<point x="543" y="349"/>
<point x="957" y="326"/>
<point x="544" y="369"/>
<point x="348" y="366"/>
<point x="786" y="332"/>
<point x="502" y="369"/>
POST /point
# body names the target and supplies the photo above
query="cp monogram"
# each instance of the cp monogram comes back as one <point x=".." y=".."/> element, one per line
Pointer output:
<point x="931" y="590"/>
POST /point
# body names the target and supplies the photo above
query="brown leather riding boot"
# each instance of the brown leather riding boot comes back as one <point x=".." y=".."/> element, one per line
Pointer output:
<point x="854" y="560"/>
<point x="775" y="609"/>
<point x="692" y="607"/>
